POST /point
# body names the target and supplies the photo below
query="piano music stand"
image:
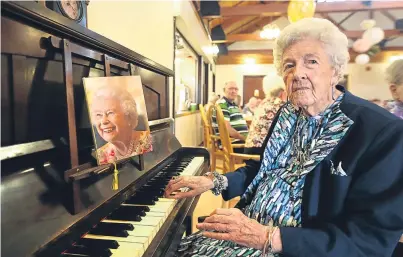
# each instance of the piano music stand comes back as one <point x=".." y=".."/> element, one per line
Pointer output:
<point x="79" y="172"/>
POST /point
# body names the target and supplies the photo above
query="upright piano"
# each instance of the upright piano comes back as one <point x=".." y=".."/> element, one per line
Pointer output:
<point x="55" y="200"/>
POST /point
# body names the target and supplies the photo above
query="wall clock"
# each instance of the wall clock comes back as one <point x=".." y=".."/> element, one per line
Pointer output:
<point x="75" y="10"/>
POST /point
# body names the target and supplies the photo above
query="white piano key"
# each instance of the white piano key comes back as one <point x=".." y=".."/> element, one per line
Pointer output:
<point x="145" y="221"/>
<point x="126" y="250"/>
<point x="138" y="243"/>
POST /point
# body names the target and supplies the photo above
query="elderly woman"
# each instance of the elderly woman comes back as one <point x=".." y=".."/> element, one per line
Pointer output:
<point x="394" y="76"/>
<point x="273" y="87"/>
<point x="251" y="106"/>
<point x="330" y="178"/>
<point x="114" y="114"/>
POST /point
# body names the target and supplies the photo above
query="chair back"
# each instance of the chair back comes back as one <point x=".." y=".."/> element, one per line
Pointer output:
<point x="225" y="139"/>
<point x="206" y="127"/>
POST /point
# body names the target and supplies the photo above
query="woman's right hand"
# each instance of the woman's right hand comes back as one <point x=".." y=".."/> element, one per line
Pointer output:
<point x="196" y="185"/>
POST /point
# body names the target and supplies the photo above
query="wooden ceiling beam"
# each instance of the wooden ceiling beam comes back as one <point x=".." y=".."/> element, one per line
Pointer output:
<point x="326" y="16"/>
<point x="241" y="27"/>
<point x="279" y="8"/>
<point x="259" y="24"/>
<point x="266" y="56"/>
<point x="390" y="16"/>
<point x="345" y="18"/>
<point x="256" y="37"/>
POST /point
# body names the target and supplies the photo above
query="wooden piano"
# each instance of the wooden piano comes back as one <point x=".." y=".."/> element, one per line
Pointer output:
<point x="55" y="201"/>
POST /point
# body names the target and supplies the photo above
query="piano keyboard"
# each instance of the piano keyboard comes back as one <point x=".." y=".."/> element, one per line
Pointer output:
<point x="129" y="229"/>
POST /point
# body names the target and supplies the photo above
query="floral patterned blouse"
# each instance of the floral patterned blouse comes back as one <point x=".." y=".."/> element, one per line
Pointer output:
<point x="262" y="120"/>
<point x="395" y="107"/>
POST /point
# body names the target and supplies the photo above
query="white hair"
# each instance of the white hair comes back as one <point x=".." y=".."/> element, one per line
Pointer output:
<point x="213" y="98"/>
<point x="394" y="73"/>
<point x="125" y="99"/>
<point x="336" y="42"/>
<point x="273" y="85"/>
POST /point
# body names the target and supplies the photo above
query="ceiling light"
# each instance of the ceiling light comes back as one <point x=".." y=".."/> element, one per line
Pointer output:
<point x="270" y="31"/>
<point x="250" y="61"/>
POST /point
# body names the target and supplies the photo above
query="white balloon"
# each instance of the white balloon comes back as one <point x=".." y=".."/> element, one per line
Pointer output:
<point x="362" y="59"/>
<point x="374" y="35"/>
<point x="367" y="24"/>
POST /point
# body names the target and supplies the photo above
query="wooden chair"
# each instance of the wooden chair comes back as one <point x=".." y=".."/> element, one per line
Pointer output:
<point x="215" y="152"/>
<point x="206" y="127"/>
<point x="231" y="160"/>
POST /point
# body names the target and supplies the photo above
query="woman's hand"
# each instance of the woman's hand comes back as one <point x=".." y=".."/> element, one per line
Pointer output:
<point x="196" y="185"/>
<point x="233" y="225"/>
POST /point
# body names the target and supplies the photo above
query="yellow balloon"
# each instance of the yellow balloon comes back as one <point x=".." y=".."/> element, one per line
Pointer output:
<point x="300" y="9"/>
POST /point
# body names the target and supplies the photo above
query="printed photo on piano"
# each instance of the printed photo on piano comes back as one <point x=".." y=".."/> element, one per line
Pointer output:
<point x="118" y="115"/>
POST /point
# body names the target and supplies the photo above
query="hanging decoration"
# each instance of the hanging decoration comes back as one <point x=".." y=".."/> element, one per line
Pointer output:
<point x="375" y="49"/>
<point x="374" y="35"/>
<point x="300" y="9"/>
<point x="371" y="42"/>
<point x="361" y="45"/>
<point x="362" y="59"/>
<point x="367" y="24"/>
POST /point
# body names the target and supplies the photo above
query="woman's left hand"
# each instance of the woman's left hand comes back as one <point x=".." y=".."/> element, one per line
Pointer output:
<point x="233" y="225"/>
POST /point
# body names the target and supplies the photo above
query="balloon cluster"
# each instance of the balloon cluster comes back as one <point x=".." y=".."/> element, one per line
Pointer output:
<point x="300" y="9"/>
<point x="368" y="44"/>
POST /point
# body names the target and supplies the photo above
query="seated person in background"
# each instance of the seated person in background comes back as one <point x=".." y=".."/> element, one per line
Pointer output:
<point x="377" y="102"/>
<point x="329" y="181"/>
<point x="250" y="107"/>
<point x="238" y="100"/>
<point x="213" y="98"/>
<point x="236" y="124"/>
<point x="273" y="87"/>
<point x="394" y="76"/>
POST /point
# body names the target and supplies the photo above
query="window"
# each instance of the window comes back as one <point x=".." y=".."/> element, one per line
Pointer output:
<point x="186" y="74"/>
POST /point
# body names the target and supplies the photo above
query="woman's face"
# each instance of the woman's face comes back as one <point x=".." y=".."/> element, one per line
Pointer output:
<point x="110" y="120"/>
<point x="308" y="74"/>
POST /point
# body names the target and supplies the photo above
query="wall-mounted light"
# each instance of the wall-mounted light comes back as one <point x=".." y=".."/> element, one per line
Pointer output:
<point x="250" y="61"/>
<point x="395" y="58"/>
<point x="211" y="50"/>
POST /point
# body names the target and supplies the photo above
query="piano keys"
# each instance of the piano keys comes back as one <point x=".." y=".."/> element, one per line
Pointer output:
<point x="133" y="226"/>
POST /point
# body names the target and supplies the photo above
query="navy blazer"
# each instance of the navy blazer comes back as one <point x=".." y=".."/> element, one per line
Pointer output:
<point x="356" y="215"/>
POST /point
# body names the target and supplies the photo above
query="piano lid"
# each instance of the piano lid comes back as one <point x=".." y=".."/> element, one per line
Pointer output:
<point x="34" y="205"/>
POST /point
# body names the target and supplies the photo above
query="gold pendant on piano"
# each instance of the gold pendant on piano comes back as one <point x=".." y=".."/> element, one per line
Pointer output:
<point x="115" y="180"/>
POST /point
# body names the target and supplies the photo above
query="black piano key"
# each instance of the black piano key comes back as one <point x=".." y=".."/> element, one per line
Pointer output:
<point x="144" y="208"/>
<point x="121" y="215"/>
<point x="115" y="226"/>
<point x="98" y="243"/>
<point x="155" y="191"/>
<point x="132" y="210"/>
<point x="146" y="195"/>
<point x="73" y="255"/>
<point x="108" y="232"/>
<point x="89" y="251"/>
<point x="140" y="201"/>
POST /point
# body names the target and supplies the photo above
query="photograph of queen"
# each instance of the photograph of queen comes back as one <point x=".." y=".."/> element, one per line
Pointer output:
<point x="118" y="116"/>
